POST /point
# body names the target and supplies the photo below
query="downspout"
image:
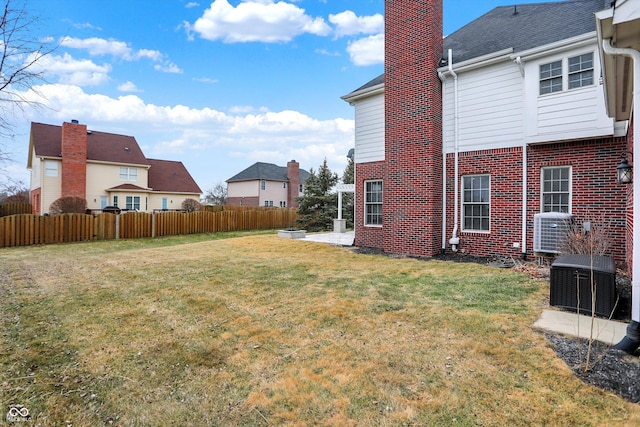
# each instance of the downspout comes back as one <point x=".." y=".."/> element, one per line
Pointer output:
<point x="455" y="240"/>
<point x="443" y="79"/>
<point x="523" y="243"/>
<point x="631" y="342"/>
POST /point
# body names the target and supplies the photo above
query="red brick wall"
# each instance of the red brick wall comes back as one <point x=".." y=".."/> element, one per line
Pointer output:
<point x="505" y="169"/>
<point x="293" y="175"/>
<point x="74" y="160"/>
<point x="412" y="206"/>
<point x="596" y="196"/>
<point x="36" y="200"/>
<point x="243" y="201"/>
<point x="370" y="237"/>
<point x="629" y="188"/>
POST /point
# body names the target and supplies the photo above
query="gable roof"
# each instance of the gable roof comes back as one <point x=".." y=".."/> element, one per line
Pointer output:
<point x="171" y="176"/>
<point x="101" y="146"/>
<point x="521" y="27"/>
<point x="266" y="171"/>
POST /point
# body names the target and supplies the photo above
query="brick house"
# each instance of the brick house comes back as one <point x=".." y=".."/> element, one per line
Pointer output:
<point x="266" y="184"/>
<point x="104" y="169"/>
<point x="463" y="140"/>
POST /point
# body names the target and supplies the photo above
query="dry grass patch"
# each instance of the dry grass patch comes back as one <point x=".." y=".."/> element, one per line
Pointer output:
<point x="257" y="330"/>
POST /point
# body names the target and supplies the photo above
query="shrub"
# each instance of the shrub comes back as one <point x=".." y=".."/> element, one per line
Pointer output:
<point x="191" y="205"/>
<point x="68" y="204"/>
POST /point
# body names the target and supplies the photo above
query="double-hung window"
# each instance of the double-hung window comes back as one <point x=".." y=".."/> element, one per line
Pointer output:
<point x="551" y="77"/>
<point x="133" y="202"/>
<point x="373" y="203"/>
<point x="51" y="167"/>
<point x="476" y="207"/>
<point x="556" y="189"/>
<point x="579" y="74"/>
<point x="581" y="71"/>
<point x="128" y="174"/>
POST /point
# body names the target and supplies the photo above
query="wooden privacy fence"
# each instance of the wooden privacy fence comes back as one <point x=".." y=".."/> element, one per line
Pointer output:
<point x="26" y="229"/>
<point x="14" y="208"/>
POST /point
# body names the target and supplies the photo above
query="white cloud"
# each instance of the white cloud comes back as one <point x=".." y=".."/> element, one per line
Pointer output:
<point x="128" y="87"/>
<point x="168" y="67"/>
<point x="205" y="80"/>
<point x="347" y="23"/>
<point x="100" y="47"/>
<point x="367" y="51"/>
<point x="256" y="21"/>
<point x="211" y="139"/>
<point x="71" y="71"/>
<point x="191" y="4"/>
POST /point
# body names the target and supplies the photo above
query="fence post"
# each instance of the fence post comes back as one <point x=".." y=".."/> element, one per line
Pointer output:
<point x="153" y="224"/>
<point x="117" y="227"/>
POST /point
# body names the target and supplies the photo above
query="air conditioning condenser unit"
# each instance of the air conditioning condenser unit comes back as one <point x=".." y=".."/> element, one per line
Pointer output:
<point x="550" y="231"/>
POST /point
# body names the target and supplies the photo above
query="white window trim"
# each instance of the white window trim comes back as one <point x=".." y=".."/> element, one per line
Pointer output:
<point x="47" y="168"/>
<point x="364" y="207"/>
<point x="462" y="205"/>
<point x="565" y="72"/>
<point x="542" y="169"/>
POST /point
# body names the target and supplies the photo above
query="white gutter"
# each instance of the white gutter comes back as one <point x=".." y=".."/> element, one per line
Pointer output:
<point x="635" y="283"/>
<point x="455" y="240"/>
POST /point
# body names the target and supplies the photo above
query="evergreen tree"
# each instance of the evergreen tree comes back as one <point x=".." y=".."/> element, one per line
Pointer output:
<point x="319" y="202"/>
<point x="348" y="198"/>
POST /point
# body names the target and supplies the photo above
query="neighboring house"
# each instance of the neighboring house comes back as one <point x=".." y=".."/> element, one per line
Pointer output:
<point x="465" y="139"/>
<point x="103" y="168"/>
<point x="266" y="184"/>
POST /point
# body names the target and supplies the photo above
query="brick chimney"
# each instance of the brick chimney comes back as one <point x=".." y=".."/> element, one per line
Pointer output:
<point x="74" y="159"/>
<point x="293" y="175"/>
<point x="412" y="204"/>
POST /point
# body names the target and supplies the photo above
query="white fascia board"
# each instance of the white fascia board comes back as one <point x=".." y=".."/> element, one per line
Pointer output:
<point x="479" y="62"/>
<point x="364" y="93"/>
<point x="626" y="11"/>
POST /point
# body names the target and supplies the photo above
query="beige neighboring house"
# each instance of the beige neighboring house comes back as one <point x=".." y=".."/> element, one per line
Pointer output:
<point x="266" y="184"/>
<point x="104" y="168"/>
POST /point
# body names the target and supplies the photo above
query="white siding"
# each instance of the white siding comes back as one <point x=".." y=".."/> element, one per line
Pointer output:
<point x="490" y="108"/>
<point x="369" y="133"/>
<point x="569" y="114"/>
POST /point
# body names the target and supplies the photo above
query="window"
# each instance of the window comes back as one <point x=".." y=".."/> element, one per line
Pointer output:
<point x="103" y="202"/>
<point x="133" y="202"/>
<point x="51" y="168"/>
<point x="128" y="174"/>
<point x="475" y="203"/>
<point x="581" y="71"/>
<point x="115" y="201"/>
<point x="263" y="185"/>
<point x="268" y="203"/>
<point x="301" y="189"/>
<point x="284" y="185"/>
<point x="165" y="204"/>
<point x="579" y="74"/>
<point x="556" y="189"/>
<point x="551" y="77"/>
<point x="373" y="203"/>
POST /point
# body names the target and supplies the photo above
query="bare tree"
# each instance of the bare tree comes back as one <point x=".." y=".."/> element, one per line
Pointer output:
<point x="217" y="195"/>
<point x="20" y="50"/>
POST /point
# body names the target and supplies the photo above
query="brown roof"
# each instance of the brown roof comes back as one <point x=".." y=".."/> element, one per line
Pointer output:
<point x="130" y="187"/>
<point x="101" y="146"/>
<point x="171" y="176"/>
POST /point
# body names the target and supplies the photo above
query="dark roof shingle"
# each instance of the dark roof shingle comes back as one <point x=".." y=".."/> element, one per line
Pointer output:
<point x="521" y="27"/>
<point x="171" y="176"/>
<point x="266" y="171"/>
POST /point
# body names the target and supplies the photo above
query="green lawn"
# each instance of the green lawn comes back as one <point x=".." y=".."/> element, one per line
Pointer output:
<point x="248" y="329"/>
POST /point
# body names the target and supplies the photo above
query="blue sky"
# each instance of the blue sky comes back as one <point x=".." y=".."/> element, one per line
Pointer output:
<point x="218" y="85"/>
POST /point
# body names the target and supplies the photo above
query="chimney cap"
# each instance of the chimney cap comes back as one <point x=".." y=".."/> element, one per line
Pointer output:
<point x="74" y="121"/>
